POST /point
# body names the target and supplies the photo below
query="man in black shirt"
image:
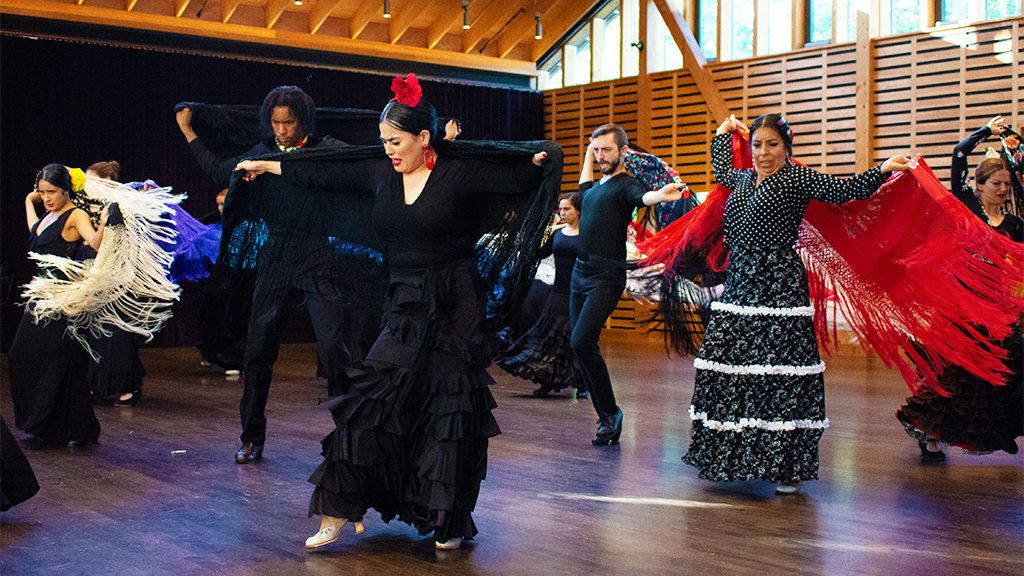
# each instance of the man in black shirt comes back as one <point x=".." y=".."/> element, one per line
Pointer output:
<point x="287" y="117"/>
<point x="599" y="276"/>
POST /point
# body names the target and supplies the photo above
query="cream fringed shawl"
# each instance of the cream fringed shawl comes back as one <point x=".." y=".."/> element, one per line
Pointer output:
<point x="126" y="286"/>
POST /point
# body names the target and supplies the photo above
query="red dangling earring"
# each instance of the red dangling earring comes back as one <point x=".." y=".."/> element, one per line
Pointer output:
<point x="428" y="157"/>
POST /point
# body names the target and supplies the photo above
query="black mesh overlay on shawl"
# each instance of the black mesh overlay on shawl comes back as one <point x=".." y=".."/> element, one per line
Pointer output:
<point x="229" y="130"/>
<point x="511" y="225"/>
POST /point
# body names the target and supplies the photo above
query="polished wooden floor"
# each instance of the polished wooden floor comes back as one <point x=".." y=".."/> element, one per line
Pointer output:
<point x="160" y="494"/>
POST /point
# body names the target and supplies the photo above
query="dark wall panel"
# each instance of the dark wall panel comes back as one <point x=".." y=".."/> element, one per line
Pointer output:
<point x="78" y="103"/>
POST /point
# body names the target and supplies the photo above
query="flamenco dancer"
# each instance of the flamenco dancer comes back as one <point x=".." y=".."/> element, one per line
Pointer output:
<point x="49" y="389"/>
<point x="543" y="354"/>
<point x="758" y="405"/>
<point x="599" y="275"/>
<point x="116" y="375"/>
<point x="289" y="263"/>
<point x="459" y="223"/>
<point x="978" y="417"/>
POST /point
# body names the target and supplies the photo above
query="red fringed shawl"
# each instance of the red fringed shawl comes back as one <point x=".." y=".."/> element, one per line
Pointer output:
<point x="915" y="273"/>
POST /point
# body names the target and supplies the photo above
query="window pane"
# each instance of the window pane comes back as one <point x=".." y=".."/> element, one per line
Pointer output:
<point x="1001" y="8"/>
<point x="775" y="26"/>
<point x="630" y="34"/>
<point x="707" y="28"/>
<point x="904" y="16"/>
<point x="577" y="58"/>
<point x="662" y="51"/>
<point x="820" y="21"/>
<point x="607" y="43"/>
<point x="954" y="10"/>
<point x="742" y="32"/>
<point x="550" y="76"/>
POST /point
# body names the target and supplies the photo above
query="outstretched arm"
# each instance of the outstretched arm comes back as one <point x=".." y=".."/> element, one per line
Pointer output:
<point x="826" y="188"/>
<point x="958" y="166"/>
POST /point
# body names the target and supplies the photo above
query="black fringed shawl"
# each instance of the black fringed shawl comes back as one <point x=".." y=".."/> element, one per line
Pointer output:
<point x="510" y="223"/>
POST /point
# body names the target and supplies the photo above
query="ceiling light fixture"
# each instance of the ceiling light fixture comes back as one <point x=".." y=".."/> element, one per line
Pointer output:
<point x="298" y="2"/>
<point x="387" y="8"/>
<point x="465" y="15"/>
<point x="538" y="30"/>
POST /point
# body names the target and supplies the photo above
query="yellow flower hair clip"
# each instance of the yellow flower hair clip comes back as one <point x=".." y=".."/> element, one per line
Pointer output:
<point x="77" y="179"/>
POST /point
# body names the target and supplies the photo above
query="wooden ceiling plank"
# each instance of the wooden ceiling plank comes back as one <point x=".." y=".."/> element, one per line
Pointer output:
<point x="129" y="5"/>
<point x="273" y="10"/>
<point x="227" y="9"/>
<point x="321" y="12"/>
<point x="449" y="14"/>
<point x="169" y="24"/>
<point x="180" y="6"/>
<point x="521" y="29"/>
<point x="486" y="18"/>
<point x="406" y="15"/>
<point x="361" y="19"/>
<point x="567" y="14"/>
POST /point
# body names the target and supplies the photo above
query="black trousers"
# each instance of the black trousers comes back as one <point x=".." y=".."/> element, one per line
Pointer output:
<point x="339" y="340"/>
<point x="596" y="287"/>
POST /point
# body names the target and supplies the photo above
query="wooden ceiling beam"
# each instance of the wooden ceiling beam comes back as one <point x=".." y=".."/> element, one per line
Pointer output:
<point x="129" y="5"/>
<point x="273" y="10"/>
<point x="361" y="19"/>
<point x="520" y="29"/>
<point x="488" y="16"/>
<point x="227" y="9"/>
<point x="180" y="6"/>
<point x="449" y="14"/>
<point x="565" y="15"/>
<point x="169" y="24"/>
<point x="321" y="12"/>
<point x="693" y="58"/>
<point x="406" y="15"/>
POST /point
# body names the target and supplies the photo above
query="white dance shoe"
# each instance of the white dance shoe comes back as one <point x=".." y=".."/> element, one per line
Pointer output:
<point x="449" y="544"/>
<point x="330" y="530"/>
<point x="787" y="488"/>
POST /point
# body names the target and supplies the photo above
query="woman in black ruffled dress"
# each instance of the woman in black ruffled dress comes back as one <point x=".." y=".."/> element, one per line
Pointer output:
<point x="543" y="355"/>
<point x="412" y="433"/>
<point x="49" y="390"/>
<point x="978" y="417"/>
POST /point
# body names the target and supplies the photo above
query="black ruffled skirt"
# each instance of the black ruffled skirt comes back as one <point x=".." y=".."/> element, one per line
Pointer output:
<point x="412" y="433"/>
<point x="48" y="384"/>
<point x="543" y="354"/>
<point x="978" y="416"/>
<point x="119" y="369"/>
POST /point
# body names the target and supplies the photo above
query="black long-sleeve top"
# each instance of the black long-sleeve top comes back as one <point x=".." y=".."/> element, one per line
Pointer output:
<point x="606" y="209"/>
<point x="440" y="226"/>
<point x="1011" y="225"/>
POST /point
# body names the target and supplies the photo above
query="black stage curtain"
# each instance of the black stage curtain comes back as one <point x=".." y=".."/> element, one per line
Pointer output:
<point x="79" y="103"/>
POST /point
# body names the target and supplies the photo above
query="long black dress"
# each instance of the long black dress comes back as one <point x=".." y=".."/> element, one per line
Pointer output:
<point x="758" y="406"/>
<point x="543" y="354"/>
<point x="412" y="433"/>
<point x="119" y="369"/>
<point x="977" y="416"/>
<point x="49" y="390"/>
<point x="17" y="481"/>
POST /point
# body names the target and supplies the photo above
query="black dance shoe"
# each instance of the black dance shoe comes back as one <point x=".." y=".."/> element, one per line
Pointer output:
<point x="249" y="453"/>
<point x="582" y="394"/>
<point x="1011" y="448"/>
<point x="608" y="430"/>
<point x="927" y="456"/>
<point x="543" y="391"/>
<point x="133" y="401"/>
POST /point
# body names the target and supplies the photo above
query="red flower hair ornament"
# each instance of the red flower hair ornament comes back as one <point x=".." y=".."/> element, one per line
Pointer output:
<point x="407" y="90"/>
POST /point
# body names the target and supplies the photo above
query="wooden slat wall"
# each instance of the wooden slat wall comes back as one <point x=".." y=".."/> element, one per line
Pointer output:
<point x="928" y="91"/>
